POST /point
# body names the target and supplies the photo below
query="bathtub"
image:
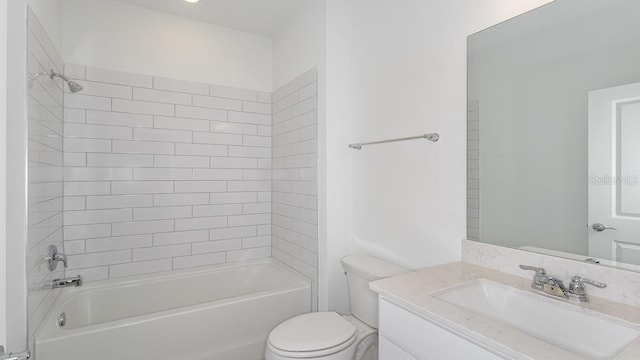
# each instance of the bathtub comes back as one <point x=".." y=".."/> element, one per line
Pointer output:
<point x="222" y="312"/>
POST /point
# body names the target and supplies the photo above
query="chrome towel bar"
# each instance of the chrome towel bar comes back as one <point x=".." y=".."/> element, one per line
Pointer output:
<point x="431" y="137"/>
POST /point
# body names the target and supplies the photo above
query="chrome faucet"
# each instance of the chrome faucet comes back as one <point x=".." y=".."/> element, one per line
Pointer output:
<point x="60" y="283"/>
<point x="554" y="286"/>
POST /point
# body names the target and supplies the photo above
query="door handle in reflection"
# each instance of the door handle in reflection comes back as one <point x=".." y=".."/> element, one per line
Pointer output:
<point x="599" y="227"/>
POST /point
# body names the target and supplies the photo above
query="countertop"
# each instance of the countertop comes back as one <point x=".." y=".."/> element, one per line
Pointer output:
<point x="414" y="291"/>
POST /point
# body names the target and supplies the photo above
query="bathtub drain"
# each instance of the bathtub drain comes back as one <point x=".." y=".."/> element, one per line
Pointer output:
<point x="62" y="320"/>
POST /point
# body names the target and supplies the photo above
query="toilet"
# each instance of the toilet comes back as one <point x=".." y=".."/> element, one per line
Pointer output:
<point x="330" y="336"/>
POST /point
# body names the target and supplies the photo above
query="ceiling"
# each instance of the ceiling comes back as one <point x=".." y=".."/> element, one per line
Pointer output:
<point x="256" y="16"/>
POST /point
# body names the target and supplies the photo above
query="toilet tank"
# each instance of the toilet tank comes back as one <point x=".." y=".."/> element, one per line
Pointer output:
<point x="361" y="269"/>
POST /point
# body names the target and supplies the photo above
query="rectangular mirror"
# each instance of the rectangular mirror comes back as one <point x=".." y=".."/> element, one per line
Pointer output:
<point x="554" y="132"/>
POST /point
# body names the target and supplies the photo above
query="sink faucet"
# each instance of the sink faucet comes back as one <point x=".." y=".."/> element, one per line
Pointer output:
<point x="554" y="286"/>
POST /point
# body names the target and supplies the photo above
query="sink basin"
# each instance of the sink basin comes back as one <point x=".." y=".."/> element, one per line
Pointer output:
<point x="563" y="325"/>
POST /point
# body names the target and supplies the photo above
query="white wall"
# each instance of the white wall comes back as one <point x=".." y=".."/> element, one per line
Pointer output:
<point x="49" y="13"/>
<point x="114" y="35"/>
<point x="404" y="202"/>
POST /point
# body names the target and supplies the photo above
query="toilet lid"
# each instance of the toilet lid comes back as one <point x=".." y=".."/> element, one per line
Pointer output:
<point x="312" y="332"/>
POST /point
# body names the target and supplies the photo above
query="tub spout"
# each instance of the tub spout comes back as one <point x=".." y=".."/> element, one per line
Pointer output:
<point x="66" y="282"/>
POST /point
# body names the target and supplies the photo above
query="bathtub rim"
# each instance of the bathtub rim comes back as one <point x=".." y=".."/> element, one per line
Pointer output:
<point x="49" y="330"/>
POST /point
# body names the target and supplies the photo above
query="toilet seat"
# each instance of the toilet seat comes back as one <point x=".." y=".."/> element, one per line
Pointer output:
<point x="312" y="335"/>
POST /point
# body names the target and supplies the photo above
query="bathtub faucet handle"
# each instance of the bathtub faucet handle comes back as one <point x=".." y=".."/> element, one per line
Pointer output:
<point x="54" y="257"/>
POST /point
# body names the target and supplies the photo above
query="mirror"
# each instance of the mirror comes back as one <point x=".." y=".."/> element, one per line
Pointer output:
<point x="554" y="132"/>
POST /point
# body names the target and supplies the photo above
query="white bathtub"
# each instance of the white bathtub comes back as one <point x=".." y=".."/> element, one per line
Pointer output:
<point x="222" y="312"/>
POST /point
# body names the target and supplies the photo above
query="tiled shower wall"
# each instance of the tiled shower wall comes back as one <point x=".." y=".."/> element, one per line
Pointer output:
<point x="163" y="174"/>
<point x="44" y="169"/>
<point x="295" y="184"/>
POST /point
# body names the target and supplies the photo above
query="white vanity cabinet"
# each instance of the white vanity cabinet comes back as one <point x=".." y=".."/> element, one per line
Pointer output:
<point x="407" y="336"/>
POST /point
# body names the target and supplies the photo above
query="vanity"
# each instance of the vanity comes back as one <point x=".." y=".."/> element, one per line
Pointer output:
<point x="465" y="311"/>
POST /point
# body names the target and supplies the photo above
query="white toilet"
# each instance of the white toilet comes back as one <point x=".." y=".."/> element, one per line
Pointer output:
<point x="330" y="336"/>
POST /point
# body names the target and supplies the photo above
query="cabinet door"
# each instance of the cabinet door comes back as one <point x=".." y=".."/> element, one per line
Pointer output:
<point x="390" y="351"/>
<point x="425" y="339"/>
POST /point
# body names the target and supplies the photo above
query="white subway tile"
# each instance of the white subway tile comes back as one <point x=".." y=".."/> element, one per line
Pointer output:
<point x="90" y="274"/>
<point x="72" y="188"/>
<point x="161" y="96"/>
<point x="74" y="247"/>
<point x="233" y="232"/>
<point x="87" y="217"/>
<point x="119" y="160"/>
<point x="201" y="223"/>
<point x="142" y="227"/>
<point x="97" y="174"/>
<point x="86" y="145"/>
<point x="249" y="151"/>
<point x="256" y="208"/>
<point x="180" y="237"/>
<point x="78" y="116"/>
<point x="74" y="203"/>
<point x="217" y="174"/>
<point x="180" y="199"/>
<point x="233" y="163"/>
<point x="233" y="197"/>
<point x="233" y="128"/>
<point x="251" y="174"/>
<point x="264" y="230"/>
<point x="249" y="118"/>
<point x="119" y="201"/>
<point x="117" y="243"/>
<point x="264" y="130"/>
<point x="162" y="174"/>
<point x="105" y="90"/>
<point x="161" y="252"/>
<point x="233" y="93"/>
<point x="201" y="186"/>
<point x="142" y="147"/>
<point x="261" y="141"/>
<point x="142" y="107"/>
<point x="162" y="135"/>
<point x="74" y="159"/>
<point x="256" y="253"/>
<point x="184" y="262"/>
<point x="98" y="259"/>
<point x="244" y="220"/>
<point x="138" y="268"/>
<point x="141" y="187"/>
<point x="180" y="86"/>
<point x="77" y="101"/>
<point x="265" y="164"/>
<point x="181" y="161"/>
<point x="216" y="246"/>
<point x="117" y="77"/>
<point x="160" y="213"/>
<point x="256" y="107"/>
<point x="165" y="122"/>
<point x="264" y="196"/>
<point x="119" y="119"/>
<point x="200" y="149"/>
<point x="255" y="242"/>
<point x="217" y="138"/>
<point x="249" y="186"/>
<point x="97" y="131"/>
<point x="86" y="231"/>
<point x="200" y="113"/>
<point x="217" y="103"/>
<point x="217" y="210"/>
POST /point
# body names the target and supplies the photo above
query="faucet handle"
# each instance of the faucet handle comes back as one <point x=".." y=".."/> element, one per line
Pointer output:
<point x="538" y="270"/>
<point x="577" y="282"/>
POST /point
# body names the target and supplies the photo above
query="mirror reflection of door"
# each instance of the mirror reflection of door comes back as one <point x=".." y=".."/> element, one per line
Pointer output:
<point x="614" y="174"/>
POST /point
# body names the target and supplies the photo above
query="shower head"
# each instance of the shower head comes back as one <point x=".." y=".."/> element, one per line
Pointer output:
<point x="74" y="87"/>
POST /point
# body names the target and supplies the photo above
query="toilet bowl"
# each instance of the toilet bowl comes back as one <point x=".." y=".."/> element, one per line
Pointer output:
<point x="330" y="336"/>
